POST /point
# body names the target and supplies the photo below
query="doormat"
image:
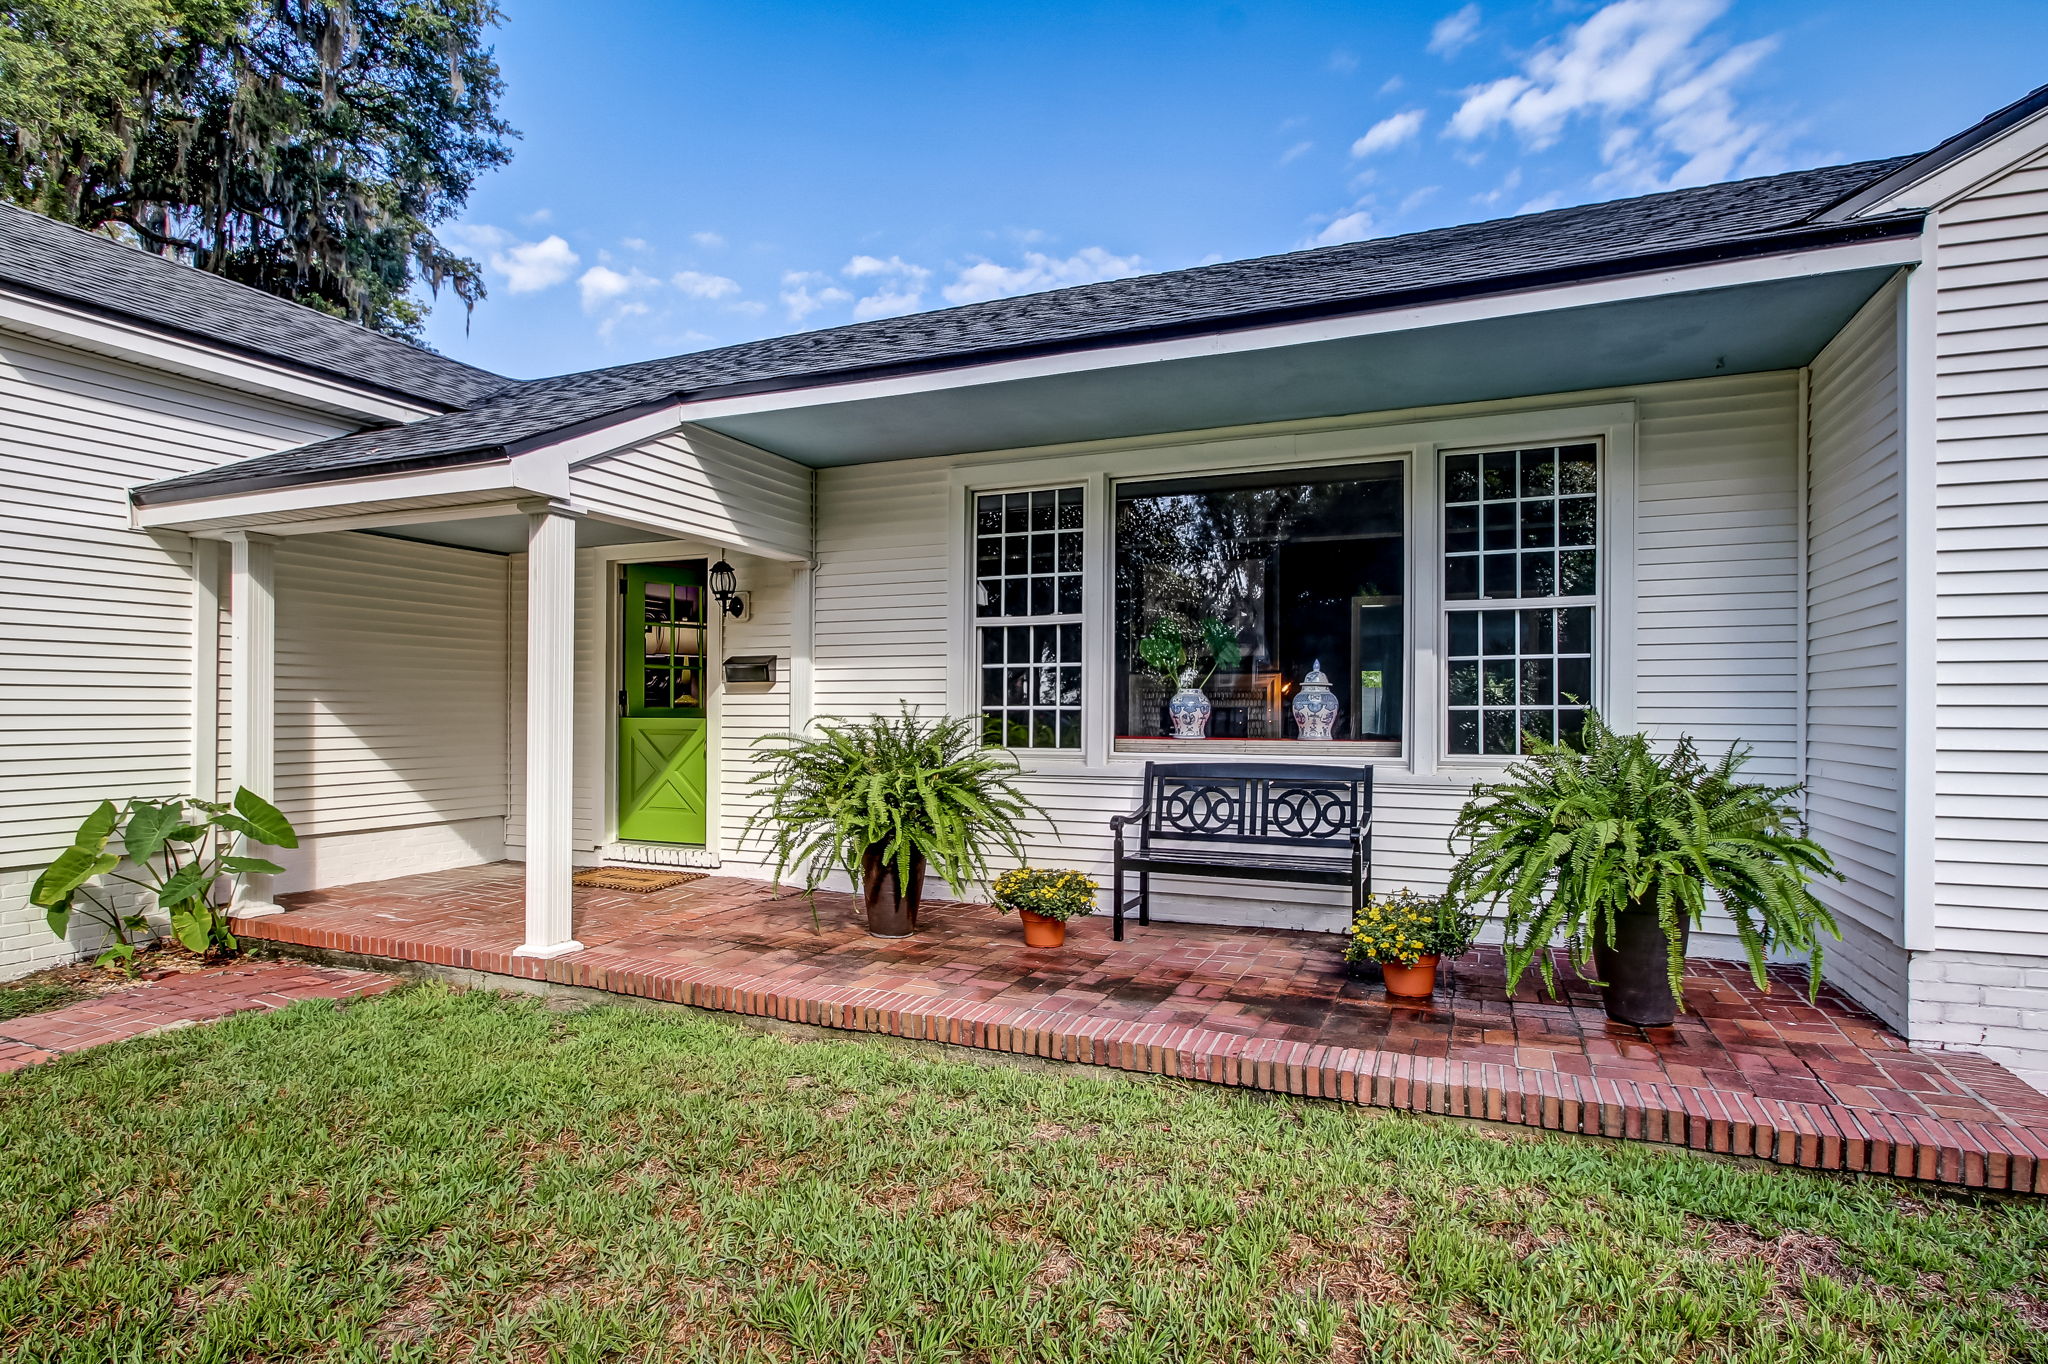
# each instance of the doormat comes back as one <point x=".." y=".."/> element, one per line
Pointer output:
<point x="637" y="879"/>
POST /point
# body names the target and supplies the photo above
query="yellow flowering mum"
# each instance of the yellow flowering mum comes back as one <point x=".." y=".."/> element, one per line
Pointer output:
<point x="1054" y="893"/>
<point x="1404" y="927"/>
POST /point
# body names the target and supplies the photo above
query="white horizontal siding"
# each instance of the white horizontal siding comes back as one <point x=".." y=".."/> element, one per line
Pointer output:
<point x="391" y="687"/>
<point x="1991" y="558"/>
<point x="1717" y="565"/>
<point x="96" y="671"/>
<point x="705" y="487"/>
<point x="1856" y="647"/>
<point x="1717" y="617"/>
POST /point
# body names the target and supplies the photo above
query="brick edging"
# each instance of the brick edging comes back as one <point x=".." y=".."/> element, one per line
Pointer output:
<point x="1811" y="1136"/>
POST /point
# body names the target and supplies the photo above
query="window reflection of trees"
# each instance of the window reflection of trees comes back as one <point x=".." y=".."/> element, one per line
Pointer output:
<point x="1195" y="551"/>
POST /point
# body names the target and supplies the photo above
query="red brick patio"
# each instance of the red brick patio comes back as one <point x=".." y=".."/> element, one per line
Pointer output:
<point x="195" y="997"/>
<point x="1744" y="1073"/>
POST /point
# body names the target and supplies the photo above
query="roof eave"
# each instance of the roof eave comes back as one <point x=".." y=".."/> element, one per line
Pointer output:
<point x="218" y="342"/>
<point x="162" y="493"/>
<point x="1931" y="162"/>
<point x="1792" y="242"/>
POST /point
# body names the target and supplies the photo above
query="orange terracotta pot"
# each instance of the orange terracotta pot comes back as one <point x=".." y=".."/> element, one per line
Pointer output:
<point x="1040" y="931"/>
<point x="1410" y="982"/>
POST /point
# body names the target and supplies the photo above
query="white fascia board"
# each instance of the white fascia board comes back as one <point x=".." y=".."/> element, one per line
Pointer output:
<point x="137" y="344"/>
<point x="499" y="480"/>
<point x="1945" y="182"/>
<point x="1691" y="279"/>
<point x="610" y="438"/>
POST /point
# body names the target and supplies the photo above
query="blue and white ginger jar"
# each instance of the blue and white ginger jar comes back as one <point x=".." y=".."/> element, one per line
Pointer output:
<point x="1315" y="705"/>
<point x="1189" y="709"/>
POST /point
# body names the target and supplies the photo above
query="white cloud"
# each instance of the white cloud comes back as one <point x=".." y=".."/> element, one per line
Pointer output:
<point x="537" y="217"/>
<point x="986" y="279"/>
<point x="806" y="291"/>
<point x="1416" y="198"/>
<point x="532" y="266"/>
<point x="900" y="286"/>
<point x="600" y="284"/>
<point x="1660" y="86"/>
<point x="1389" y="132"/>
<point x="624" y="311"/>
<point x="752" y="307"/>
<point x="1542" y="203"/>
<point x="710" y="241"/>
<point x="1349" y="227"/>
<point x="1296" y="152"/>
<point x="887" y="303"/>
<point x="1454" y="31"/>
<point x="1343" y="62"/>
<point x="633" y="243"/>
<point x="863" y="267"/>
<point x="526" y="267"/>
<point x="696" y="284"/>
<point x="1391" y="84"/>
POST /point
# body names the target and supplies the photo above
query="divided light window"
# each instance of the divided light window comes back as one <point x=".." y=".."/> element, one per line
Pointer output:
<point x="1027" y="607"/>
<point x="1520" y="534"/>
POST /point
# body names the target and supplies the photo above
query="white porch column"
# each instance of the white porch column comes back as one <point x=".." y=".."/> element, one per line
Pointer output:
<point x="550" y="716"/>
<point x="252" y="732"/>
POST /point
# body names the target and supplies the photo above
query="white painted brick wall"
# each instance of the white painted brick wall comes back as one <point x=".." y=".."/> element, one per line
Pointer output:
<point x="1984" y="1002"/>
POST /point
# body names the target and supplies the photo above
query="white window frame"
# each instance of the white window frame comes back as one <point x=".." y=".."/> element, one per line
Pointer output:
<point x="1596" y="600"/>
<point x="1089" y="657"/>
<point x="1420" y="442"/>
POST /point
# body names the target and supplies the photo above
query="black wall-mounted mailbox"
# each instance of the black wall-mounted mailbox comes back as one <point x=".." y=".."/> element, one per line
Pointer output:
<point x="753" y="669"/>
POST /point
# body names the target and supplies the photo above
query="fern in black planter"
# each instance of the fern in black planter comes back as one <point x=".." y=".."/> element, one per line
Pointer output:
<point x="884" y="798"/>
<point x="1617" y="848"/>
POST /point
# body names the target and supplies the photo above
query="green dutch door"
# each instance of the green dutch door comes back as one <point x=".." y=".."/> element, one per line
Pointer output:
<point x="662" y="784"/>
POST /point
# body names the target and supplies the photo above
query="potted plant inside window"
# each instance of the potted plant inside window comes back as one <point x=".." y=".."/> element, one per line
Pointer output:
<point x="883" y="799"/>
<point x="1618" y="848"/>
<point x="1189" y="656"/>
<point x="1409" y="935"/>
<point x="1044" y="900"/>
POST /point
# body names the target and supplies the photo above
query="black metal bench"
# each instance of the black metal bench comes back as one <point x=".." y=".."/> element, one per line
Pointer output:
<point x="1296" y="822"/>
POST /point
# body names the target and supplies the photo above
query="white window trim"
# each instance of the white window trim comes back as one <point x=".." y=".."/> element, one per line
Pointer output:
<point x="1485" y="762"/>
<point x="1420" y="444"/>
<point x="1090" y="521"/>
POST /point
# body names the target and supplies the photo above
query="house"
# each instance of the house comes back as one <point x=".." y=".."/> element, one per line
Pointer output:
<point x="1762" y="462"/>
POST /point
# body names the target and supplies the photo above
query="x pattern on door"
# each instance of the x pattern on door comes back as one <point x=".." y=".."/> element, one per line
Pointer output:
<point x="663" y="795"/>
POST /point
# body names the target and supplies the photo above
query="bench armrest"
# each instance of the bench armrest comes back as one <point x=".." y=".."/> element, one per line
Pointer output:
<point x="1120" y="822"/>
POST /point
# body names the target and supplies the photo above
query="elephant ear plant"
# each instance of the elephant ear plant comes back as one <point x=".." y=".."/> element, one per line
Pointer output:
<point x="1618" y="849"/>
<point x="885" y="797"/>
<point x="177" y="852"/>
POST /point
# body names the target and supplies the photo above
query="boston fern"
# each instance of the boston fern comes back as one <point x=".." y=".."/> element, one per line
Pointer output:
<point x="1573" y="837"/>
<point x="906" y="786"/>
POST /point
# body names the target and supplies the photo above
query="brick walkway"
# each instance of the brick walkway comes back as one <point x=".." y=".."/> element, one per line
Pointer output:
<point x="195" y="997"/>
<point x="1745" y="1073"/>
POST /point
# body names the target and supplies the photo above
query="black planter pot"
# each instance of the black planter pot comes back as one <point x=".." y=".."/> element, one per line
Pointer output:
<point x="891" y="907"/>
<point x="1634" y="966"/>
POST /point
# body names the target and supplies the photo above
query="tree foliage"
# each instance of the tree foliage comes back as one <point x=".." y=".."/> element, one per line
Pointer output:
<point x="309" y="149"/>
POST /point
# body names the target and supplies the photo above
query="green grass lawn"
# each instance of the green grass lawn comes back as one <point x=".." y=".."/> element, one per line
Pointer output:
<point x="431" y="1176"/>
<point x="20" y="998"/>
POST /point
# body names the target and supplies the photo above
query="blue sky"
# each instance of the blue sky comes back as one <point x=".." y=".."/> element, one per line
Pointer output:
<point x="695" y="174"/>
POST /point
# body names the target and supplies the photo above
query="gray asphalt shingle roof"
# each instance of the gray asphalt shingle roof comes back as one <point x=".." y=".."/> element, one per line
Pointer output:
<point x="1726" y="220"/>
<point x="59" y="261"/>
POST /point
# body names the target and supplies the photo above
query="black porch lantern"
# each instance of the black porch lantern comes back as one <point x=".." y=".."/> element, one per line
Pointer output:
<point x="725" y="586"/>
